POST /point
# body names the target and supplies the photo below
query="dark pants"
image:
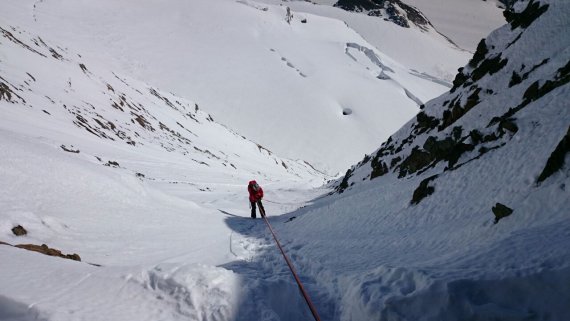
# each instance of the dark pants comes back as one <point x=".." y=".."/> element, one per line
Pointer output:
<point x="261" y="209"/>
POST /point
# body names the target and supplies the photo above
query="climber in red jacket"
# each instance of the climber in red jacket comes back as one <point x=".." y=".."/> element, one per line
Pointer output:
<point x="255" y="196"/>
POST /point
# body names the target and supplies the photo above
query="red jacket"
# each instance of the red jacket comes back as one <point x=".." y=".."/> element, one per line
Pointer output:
<point x="255" y="191"/>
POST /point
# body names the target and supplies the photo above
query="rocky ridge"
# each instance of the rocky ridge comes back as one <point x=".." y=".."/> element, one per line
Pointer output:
<point x="498" y="95"/>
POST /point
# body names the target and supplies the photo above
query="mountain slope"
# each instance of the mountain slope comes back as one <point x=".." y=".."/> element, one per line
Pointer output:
<point x="136" y="182"/>
<point x="103" y="136"/>
<point x="274" y="82"/>
<point x="462" y="214"/>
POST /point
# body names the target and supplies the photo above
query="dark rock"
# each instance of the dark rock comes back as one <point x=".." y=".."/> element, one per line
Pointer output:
<point x="112" y="163"/>
<point x="525" y="18"/>
<point x="509" y="125"/>
<point x="480" y="54"/>
<point x="489" y="66"/>
<point x="423" y="190"/>
<point x="438" y="148"/>
<point x="417" y="160"/>
<point x="501" y="211"/>
<point x="69" y="150"/>
<point x="44" y="249"/>
<point x="450" y="117"/>
<point x="476" y="136"/>
<point x="395" y="161"/>
<point x="455" y="153"/>
<point x="456" y="132"/>
<point x="19" y="230"/>
<point x="425" y="122"/>
<point x="83" y="68"/>
<point x="515" y="79"/>
<point x="73" y="256"/>
<point x="459" y="80"/>
<point x="526" y="74"/>
<point x="532" y="92"/>
<point x="447" y="149"/>
<point x="5" y="92"/>
<point x="556" y="160"/>
<point x="344" y="183"/>
<point x="379" y="168"/>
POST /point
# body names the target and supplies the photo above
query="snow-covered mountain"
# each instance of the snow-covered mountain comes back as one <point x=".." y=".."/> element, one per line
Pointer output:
<point x="109" y="151"/>
<point x="392" y="10"/>
<point x="283" y="85"/>
<point x="464" y="213"/>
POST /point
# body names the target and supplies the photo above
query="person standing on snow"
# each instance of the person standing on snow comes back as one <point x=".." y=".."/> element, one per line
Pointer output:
<point x="255" y="196"/>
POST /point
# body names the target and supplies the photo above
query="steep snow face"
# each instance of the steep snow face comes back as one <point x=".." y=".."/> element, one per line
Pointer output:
<point x="464" y="213"/>
<point x="283" y="85"/>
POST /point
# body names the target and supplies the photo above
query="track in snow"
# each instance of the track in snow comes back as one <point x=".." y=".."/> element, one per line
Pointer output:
<point x="270" y="291"/>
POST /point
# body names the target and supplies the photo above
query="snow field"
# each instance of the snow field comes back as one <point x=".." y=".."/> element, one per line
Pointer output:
<point x="274" y="82"/>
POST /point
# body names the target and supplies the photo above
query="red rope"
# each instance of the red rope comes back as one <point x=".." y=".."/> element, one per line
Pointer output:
<point x="297" y="279"/>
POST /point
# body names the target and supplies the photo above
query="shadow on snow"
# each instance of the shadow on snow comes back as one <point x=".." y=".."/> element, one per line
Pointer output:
<point x="268" y="288"/>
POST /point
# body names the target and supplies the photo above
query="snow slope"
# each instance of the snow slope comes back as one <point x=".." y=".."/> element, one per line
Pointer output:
<point x="416" y="232"/>
<point x="139" y="181"/>
<point x="420" y="48"/>
<point x="135" y="180"/>
<point x="283" y="85"/>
